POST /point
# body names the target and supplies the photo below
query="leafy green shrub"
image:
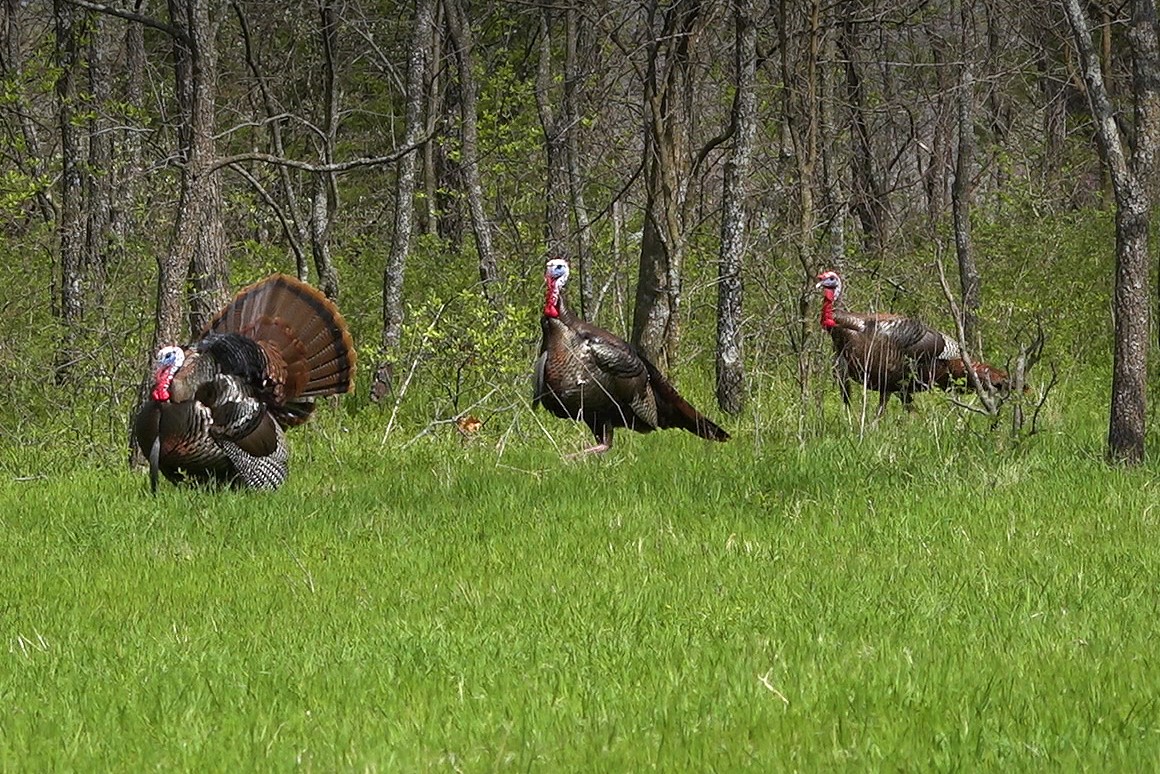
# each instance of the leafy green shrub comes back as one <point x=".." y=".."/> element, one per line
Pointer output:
<point x="462" y="355"/>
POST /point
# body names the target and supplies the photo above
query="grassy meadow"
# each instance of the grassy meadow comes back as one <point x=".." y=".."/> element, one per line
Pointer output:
<point x="920" y="594"/>
<point x="923" y="593"/>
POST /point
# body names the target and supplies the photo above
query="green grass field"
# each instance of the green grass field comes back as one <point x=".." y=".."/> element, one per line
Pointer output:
<point x="921" y="595"/>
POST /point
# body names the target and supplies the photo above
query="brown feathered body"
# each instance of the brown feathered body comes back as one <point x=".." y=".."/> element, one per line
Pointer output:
<point x="891" y="353"/>
<point x="586" y="373"/>
<point x="219" y="406"/>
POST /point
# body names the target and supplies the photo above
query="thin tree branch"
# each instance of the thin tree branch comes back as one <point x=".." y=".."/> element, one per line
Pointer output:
<point x="972" y="376"/>
<point x="712" y="144"/>
<point x="340" y="166"/>
<point x="283" y="219"/>
<point x="148" y="21"/>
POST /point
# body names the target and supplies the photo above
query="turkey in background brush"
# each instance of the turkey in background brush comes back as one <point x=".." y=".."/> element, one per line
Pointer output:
<point x="219" y="406"/>
<point x="586" y="373"/>
<point x="891" y="353"/>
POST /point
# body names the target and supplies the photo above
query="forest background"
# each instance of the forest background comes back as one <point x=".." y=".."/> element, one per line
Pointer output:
<point x="435" y="587"/>
<point x="699" y="162"/>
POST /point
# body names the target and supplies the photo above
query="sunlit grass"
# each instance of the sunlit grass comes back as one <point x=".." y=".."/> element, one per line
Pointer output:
<point x="917" y="594"/>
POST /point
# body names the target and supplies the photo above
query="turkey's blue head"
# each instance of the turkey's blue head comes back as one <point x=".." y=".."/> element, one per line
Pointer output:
<point x="555" y="275"/>
<point x="829" y="280"/>
<point x="169" y="359"/>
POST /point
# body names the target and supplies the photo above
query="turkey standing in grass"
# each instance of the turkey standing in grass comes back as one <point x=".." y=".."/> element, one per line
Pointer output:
<point x="586" y="373"/>
<point x="890" y="353"/>
<point x="219" y="406"/>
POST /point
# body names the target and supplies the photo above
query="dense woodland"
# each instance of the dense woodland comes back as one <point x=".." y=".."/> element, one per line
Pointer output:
<point x="699" y="161"/>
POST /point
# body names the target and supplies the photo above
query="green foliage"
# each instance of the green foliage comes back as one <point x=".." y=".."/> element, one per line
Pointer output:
<point x="17" y="190"/>
<point x="467" y="349"/>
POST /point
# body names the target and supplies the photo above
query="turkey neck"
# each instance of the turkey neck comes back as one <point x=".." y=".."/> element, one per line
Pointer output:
<point x="554" y="306"/>
<point x="828" y="321"/>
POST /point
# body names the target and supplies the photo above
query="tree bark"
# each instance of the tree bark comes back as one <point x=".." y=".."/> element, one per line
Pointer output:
<point x="1131" y="298"/>
<point x="100" y="237"/>
<point x="868" y="197"/>
<point x="572" y="80"/>
<point x="131" y="170"/>
<point x="70" y="227"/>
<point x="657" y="315"/>
<point x="197" y="250"/>
<point x="460" y="29"/>
<point x="799" y="48"/>
<point x="418" y="68"/>
<point x="940" y="138"/>
<point x="836" y="207"/>
<point x="735" y="214"/>
<point x="325" y="198"/>
<point x="961" y="190"/>
<point x="556" y="215"/>
<point x="429" y="212"/>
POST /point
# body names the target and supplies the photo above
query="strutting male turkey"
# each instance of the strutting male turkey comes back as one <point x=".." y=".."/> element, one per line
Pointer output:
<point x="890" y="353"/>
<point x="219" y="406"/>
<point x="584" y="372"/>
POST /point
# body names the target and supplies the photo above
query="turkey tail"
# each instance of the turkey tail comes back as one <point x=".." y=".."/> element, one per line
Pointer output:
<point x="675" y="411"/>
<point x="306" y="341"/>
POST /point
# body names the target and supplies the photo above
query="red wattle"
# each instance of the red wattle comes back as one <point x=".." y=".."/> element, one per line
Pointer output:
<point x="550" y="301"/>
<point x="828" y="309"/>
<point x="161" y="387"/>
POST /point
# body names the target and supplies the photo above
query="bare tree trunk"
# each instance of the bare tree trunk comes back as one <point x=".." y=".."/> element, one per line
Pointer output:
<point x="1131" y="183"/>
<point x="1143" y="36"/>
<point x="831" y="159"/>
<point x="417" y="76"/>
<point x="325" y="199"/>
<point x="656" y="323"/>
<point x="799" y="71"/>
<point x="429" y="213"/>
<point x="961" y="191"/>
<point x="556" y="215"/>
<point x="132" y="168"/>
<point x="197" y="252"/>
<point x="616" y="264"/>
<point x="463" y="40"/>
<point x="655" y="299"/>
<point x="572" y="78"/>
<point x="998" y="102"/>
<point x="938" y="162"/>
<point x="100" y="238"/>
<point x="868" y="197"/>
<point x="735" y="214"/>
<point x="70" y="228"/>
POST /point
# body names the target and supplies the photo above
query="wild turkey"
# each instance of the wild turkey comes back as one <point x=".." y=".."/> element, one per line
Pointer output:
<point x="219" y="406"/>
<point x="586" y="373"/>
<point x="890" y="353"/>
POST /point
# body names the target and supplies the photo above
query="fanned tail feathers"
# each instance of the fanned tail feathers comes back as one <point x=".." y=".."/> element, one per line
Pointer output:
<point x="675" y="411"/>
<point x="305" y="339"/>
